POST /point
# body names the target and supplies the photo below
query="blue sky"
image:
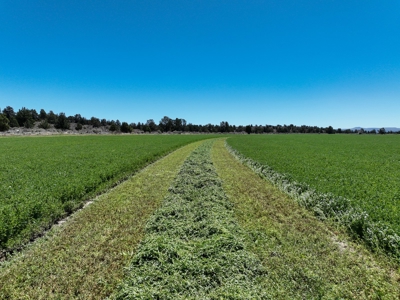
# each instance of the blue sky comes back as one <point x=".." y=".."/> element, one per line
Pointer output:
<point x="246" y="62"/>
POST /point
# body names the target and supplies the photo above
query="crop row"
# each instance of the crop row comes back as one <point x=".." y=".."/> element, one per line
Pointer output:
<point x="45" y="178"/>
<point x="357" y="215"/>
<point x="193" y="247"/>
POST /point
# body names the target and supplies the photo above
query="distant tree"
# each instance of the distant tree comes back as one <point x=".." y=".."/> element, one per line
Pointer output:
<point x="62" y="122"/>
<point x="4" y="123"/>
<point x="24" y="117"/>
<point x="78" y="126"/>
<point x="114" y="126"/>
<point x="103" y="122"/>
<point x="35" y="115"/>
<point x="382" y="130"/>
<point x="44" y="124"/>
<point x="77" y="118"/>
<point x="339" y="130"/>
<point x="166" y="124"/>
<point x="248" y="129"/>
<point x="260" y="129"/>
<point x="330" y="130"/>
<point x="71" y="119"/>
<point x="178" y="124"/>
<point x="42" y="114"/>
<point x="95" y="122"/>
<point x="9" y="112"/>
<point x="14" y="122"/>
<point x="224" y="126"/>
<point x="146" y="128"/>
<point x="152" y="125"/>
<point x="51" y="117"/>
<point x="125" y="127"/>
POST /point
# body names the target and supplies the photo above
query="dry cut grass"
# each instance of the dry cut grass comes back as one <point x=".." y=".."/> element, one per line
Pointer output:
<point x="84" y="258"/>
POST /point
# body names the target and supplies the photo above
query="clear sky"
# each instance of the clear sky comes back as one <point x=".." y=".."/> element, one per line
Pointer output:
<point x="246" y="62"/>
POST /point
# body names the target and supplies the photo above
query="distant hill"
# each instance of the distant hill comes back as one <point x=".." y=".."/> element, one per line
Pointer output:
<point x="393" y="129"/>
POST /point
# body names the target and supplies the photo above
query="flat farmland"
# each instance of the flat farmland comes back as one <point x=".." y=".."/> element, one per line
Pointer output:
<point x="45" y="178"/>
<point x="195" y="224"/>
<point x="362" y="168"/>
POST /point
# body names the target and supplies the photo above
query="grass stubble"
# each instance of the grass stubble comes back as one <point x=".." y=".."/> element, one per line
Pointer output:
<point x="194" y="248"/>
<point x="84" y="257"/>
<point x="304" y="257"/>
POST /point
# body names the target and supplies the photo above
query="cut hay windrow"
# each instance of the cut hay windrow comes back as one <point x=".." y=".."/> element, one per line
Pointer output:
<point x="194" y="248"/>
<point x="44" y="179"/>
<point x="376" y="235"/>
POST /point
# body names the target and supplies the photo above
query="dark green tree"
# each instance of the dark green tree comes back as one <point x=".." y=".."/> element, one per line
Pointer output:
<point x="166" y="124"/>
<point x="330" y="130"/>
<point x="51" y="117"/>
<point x="125" y="127"/>
<point x="24" y="117"/>
<point x="14" y="122"/>
<point x="44" y="124"/>
<point x="9" y="112"/>
<point x="114" y="127"/>
<point x="4" y="123"/>
<point x="95" y="122"/>
<point x="152" y="125"/>
<point x="35" y="115"/>
<point x="42" y="114"/>
<point x="62" y="122"/>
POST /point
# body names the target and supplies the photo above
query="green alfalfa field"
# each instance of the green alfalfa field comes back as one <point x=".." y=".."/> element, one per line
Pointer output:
<point x="197" y="223"/>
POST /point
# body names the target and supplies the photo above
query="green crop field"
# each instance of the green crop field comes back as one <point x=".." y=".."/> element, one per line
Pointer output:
<point x="196" y="224"/>
<point x="365" y="169"/>
<point x="45" y="178"/>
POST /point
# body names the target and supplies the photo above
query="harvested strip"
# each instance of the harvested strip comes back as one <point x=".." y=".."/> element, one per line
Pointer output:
<point x="84" y="258"/>
<point x="377" y="235"/>
<point x="194" y="248"/>
<point x="305" y="259"/>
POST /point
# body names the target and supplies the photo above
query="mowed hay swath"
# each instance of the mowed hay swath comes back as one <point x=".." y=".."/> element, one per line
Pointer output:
<point x="304" y="258"/>
<point x="193" y="248"/>
<point x="353" y="179"/>
<point x="84" y="258"/>
<point x="45" y="178"/>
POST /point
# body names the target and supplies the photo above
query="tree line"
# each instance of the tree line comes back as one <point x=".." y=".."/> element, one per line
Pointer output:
<point x="27" y="118"/>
